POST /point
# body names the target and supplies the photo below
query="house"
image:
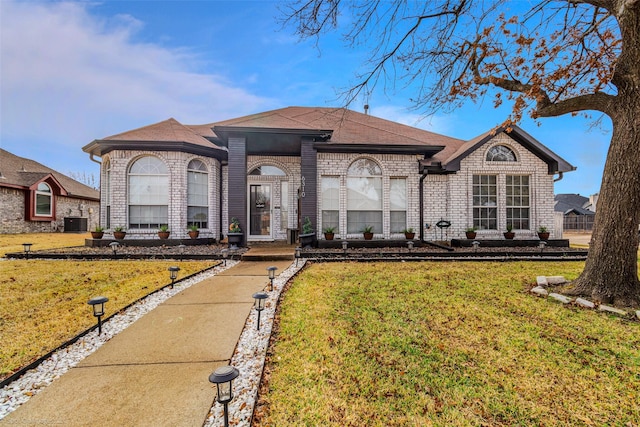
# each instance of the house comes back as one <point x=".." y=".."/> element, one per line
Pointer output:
<point x="340" y="168"/>
<point x="578" y="211"/>
<point x="35" y="198"/>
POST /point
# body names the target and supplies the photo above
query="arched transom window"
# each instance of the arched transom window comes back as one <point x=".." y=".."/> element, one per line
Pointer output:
<point x="364" y="196"/>
<point x="197" y="194"/>
<point x="267" y="170"/>
<point x="501" y="153"/>
<point x="148" y="193"/>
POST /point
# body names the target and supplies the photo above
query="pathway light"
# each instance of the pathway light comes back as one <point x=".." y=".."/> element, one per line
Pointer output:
<point x="260" y="298"/>
<point x="475" y="245"/>
<point x="27" y="249"/>
<point x="223" y="379"/>
<point x="272" y="275"/>
<point x="114" y="248"/>
<point x="298" y="254"/>
<point x="97" y="303"/>
<point x="173" y="273"/>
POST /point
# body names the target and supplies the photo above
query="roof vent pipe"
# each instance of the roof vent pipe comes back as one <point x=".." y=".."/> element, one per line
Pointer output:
<point x="366" y="109"/>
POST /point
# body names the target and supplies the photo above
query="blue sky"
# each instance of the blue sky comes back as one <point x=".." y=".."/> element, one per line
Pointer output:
<point x="72" y="72"/>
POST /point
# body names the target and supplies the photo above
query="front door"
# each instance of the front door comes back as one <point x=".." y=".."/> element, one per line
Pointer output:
<point x="260" y="212"/>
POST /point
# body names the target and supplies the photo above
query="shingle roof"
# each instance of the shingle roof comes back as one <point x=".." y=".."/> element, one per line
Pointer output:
<point x="572" y="202"/>
<point x="349" y="127"/>
<point x="169" y="130"/>
<point x="23" y="173"/>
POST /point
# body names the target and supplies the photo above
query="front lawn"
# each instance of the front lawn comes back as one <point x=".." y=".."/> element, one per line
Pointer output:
<point x="13" y="242"/>
<point x="44" y="303"/>
<point x="455" y="344"/>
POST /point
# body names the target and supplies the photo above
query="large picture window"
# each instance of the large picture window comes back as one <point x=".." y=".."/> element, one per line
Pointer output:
<point x="148" y="193"/>
<point x="197" y="194"/>
<point x="44" y="200"/>
<point x="330" y="187"/>
<point x="518" y="201"/>
<point x="364" y="196"/>
<point x="485" y="202"/>
<point x="398" y="204"/>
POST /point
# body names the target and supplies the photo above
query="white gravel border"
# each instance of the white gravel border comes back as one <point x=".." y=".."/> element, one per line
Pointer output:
<point x="32" y="382"/>
<point x="249" y="357"/>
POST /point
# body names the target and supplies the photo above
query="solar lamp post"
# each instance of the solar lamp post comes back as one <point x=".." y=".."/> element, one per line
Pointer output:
<point x="97" y="303"/>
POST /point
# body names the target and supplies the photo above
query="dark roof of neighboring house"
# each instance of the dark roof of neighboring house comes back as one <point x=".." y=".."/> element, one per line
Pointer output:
<point x="22" y="173"/>
<point x="566" y="203"/>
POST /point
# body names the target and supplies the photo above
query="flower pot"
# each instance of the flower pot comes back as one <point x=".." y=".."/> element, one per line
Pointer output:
<point x="543" y="236"/>
<point x="97" y="234"/>
<point x="163" y="234"/>
<point x="329" y="236"/>
<point x="194" y="234"/>
<point x="509" y="235"/>
<point x="368" y="236"/>
<point x="119" y="235"/>
<point x="409" y="236"/>
<point x="235" y="239"/>
<point x="470" y="234"/>
<point x="306" y="240"/>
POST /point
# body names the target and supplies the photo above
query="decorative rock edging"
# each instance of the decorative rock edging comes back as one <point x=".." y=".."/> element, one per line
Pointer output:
<point x="544" y="281"/>
<point x="35" y="380"/>
<point x="249" y="357"/>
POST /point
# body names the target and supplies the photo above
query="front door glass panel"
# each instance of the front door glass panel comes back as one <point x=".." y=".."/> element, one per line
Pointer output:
<point x="260" y="209"/>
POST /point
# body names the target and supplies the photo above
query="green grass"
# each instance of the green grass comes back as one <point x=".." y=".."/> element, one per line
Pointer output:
<point x="44" y="303"/>
<point x="447" y="344"/>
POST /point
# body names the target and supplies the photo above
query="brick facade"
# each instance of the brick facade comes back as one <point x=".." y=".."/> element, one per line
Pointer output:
<point x="12" y="214"/>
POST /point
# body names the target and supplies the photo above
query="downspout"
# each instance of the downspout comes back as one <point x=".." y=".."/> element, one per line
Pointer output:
<point x="421" y="198"/>
<point x="560" y="176"/>
<point x="221" y="236"/>
<point x="94" y="160"/>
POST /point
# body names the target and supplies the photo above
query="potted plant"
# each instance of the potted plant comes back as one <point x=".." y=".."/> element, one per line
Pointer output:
<point x="471" y="233"/>
<point x="329" y="232"/>
<point x="367" y="232"/>
<point x="193" y="231"/>
<point x="306" y="238"/>
<point x="163" y="231"/>
<point x="409" y="234"/>
<point x="543" y="233"/>
<point x="509" y="234"/>
<point x="234" y="237"/>
<point x="97" y="232"/>
<point x="119" y="232"/>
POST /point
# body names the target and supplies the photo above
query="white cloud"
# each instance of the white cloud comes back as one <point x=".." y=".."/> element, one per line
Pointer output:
<point x="69" y="77"/>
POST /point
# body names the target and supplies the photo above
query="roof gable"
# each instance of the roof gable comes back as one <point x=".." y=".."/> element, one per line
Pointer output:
<point x="26" y="174"/>
<point x="555" y="163"/>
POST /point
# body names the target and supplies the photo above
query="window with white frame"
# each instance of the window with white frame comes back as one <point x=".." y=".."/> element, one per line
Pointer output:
<point x="197" y="194"/>
<point x="330" y="202"/>
<point x="44" y="200"/>
<point x="398" y="204"/>
<point x="148" y="193"/>
<point x="517" y="192"/>
<point x="364" y="196"/>
<point x="485" y="202"/>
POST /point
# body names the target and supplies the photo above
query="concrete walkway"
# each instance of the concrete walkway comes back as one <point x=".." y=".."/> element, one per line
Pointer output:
<point x="155" y="372"/>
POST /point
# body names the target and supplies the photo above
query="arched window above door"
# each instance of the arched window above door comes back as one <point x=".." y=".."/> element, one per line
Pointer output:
<point x="267" y="170"/>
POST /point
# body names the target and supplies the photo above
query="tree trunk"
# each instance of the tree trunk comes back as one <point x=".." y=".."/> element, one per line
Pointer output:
<point x="611" y="270"/>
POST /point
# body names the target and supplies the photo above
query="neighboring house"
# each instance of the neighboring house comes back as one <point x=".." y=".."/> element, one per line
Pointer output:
<point x="338" y="167"/>
<point x="578" y="211"/>
<point x="35" y="198"/>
